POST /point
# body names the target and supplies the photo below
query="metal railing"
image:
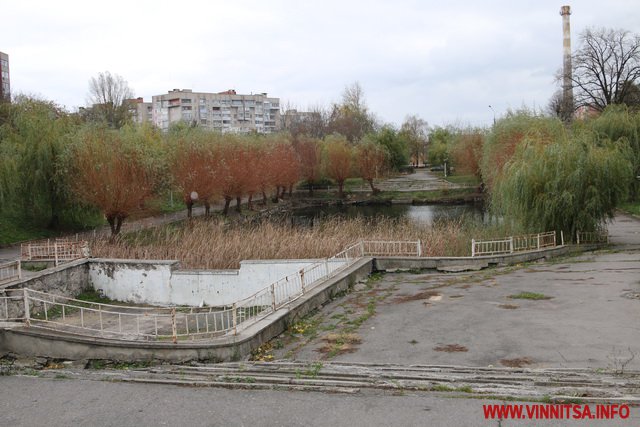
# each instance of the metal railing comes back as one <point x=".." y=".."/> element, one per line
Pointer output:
<point x="124" y="322"/>
<point x="391" y="248"/>
<point x="10" y="271"/>
<point x="586" y="237"/>
<point x="11" y="307"/>
<point x="178" y="323"/>
<point x="512" y="244"/>
<point x="57" y="250"/>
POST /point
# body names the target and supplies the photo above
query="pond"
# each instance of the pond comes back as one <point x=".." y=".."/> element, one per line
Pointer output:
<point x="422" y="214"/>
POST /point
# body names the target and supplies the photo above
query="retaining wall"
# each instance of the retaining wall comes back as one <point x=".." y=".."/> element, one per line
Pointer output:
<point x="68" y="280"/>
<point x="160" y="283"/>
<point x="37" y="342"/>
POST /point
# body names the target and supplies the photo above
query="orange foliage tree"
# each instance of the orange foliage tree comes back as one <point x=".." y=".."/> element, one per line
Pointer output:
<point x="337" y="160"/>
<point x="371" y="160"/>
<point x="286" y="167"/>
<point x="309" y="156"/>
<point x="112" y="174"/>
<point x="194" y="166"/>
<point x="466" y="152"/>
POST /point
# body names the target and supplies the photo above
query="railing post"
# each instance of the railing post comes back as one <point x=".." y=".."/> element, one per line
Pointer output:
<point x="234" y="312"/>
<point x="577" y="237"/>
<point x="174" y="328"/>
<point x="538" y="241"/>
<point x="419" y="248"/>
<point x="562" y="237"/>
<point x="361" y="248"/>
<point x="19" y="270"/>
<point x="273" y="296"/>
<point x="511" y="244"/>
<point x="473" y="247"/>
<point x="301" y="272"/>
<point x="27" y="310"/>
<point x="326" y="267"/>
<point x="55" y="253"/>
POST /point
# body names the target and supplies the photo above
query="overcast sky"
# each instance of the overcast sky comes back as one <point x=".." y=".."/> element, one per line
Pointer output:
<point x="445" y="61"/>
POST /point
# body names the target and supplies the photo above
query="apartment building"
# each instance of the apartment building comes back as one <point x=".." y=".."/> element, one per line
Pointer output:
<point x="224" y="111"/>
<point x="141" y="112"/>
<point x="5" y="82"/>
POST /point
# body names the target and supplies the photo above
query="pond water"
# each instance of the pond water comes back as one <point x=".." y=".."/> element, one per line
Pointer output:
<point x="424" y="214"/>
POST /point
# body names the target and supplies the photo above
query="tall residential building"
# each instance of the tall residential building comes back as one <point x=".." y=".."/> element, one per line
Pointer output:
<point x="225" y="111"/>
<point x="5" y="85"/>
<point x="141" y="112"/>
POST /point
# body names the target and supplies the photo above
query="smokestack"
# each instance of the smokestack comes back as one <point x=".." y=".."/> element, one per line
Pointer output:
<point x="567" y="85"/>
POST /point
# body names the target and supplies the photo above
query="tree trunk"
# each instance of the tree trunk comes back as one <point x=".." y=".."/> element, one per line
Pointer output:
<point x="189" y="204"/>
<point x="374" y="190"/>
<point x="115" y="223"/>
<point x="264" y="198"/>
<point x="290" y="190"/>
<point x="238" y="201"/>
<point x="227" y="202"/>
<point x="340" y="192"/>
<point x="250" y="202"/>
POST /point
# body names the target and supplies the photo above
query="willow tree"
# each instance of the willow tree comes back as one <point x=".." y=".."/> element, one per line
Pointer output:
<point x="508" y="133"/>
<point x="618" y="122"/>
<point x="337" y="160"/>
<point x="112" y="173"/>
<point x="194" y="168"/>
<point x="569" y="184"/>
<point x="33" y="186"/>
<point x="371" y="161"/>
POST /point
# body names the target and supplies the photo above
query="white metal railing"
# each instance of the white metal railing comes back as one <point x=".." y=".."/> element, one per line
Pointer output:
<point x="585" y="237"/>
<point x="10" y="271"/>
<point x="57" y="250"/>
<point x="392" y="248"/>
<point x="11" y="307"/>
<point x="176" y="323"/>
<point x="512" y="244"/>
<point x="173" y="323"/>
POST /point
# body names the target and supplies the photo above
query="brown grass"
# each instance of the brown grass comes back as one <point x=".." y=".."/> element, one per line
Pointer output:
<point x="516" y="363"/>
<point x="451" y="348"/>
<point x="509" y="306"/>
<point x="212" y="244"/>
<point x="415" y="297"/>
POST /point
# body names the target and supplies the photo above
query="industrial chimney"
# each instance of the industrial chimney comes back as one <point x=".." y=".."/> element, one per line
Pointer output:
<point x="567" y="85"/>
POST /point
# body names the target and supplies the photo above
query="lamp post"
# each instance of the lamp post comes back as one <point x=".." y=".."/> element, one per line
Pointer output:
<point x="494" y="115"/>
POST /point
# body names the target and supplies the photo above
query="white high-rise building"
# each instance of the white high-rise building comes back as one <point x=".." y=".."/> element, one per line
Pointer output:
<point x="224" y="111"/>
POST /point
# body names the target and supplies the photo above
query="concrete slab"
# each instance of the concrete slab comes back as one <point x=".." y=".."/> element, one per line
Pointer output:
<point x="588" y="317"/>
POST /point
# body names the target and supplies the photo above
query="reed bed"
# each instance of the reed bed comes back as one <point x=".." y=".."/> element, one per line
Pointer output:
<point x="212" y="244"/>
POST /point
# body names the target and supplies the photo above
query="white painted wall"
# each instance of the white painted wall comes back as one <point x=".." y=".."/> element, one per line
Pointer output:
<point x="136" y="281"/>
<point x="159" y="283"/>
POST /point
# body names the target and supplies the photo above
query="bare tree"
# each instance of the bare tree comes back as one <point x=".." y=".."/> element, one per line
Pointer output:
<point x="606" y="68"/>
<point x="414" y="130"/>
<point x="561" y="107"/>
<point x="351" y="118"/>
<point x="108" y="95"/>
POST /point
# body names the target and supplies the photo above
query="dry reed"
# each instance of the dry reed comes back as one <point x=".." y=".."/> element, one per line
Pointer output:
<point x="211" y="244"/>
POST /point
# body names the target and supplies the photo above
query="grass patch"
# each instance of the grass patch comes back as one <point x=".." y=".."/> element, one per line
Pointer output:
<point x="530" y="296"/>
<point x="446" y="388"/>
<point x="462" y="179"/>
<point x="34" y="266"/>
<point x="426" y="196"/>
<point x="631" y="207"/>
